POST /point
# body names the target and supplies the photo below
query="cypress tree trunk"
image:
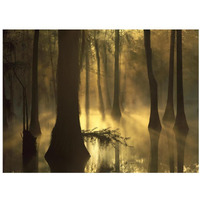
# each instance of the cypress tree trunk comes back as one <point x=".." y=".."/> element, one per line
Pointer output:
<point x="67" y="152"/>
<point x="5" y="109"/>
<point x="154" y="121"/>
<point x="87" y="74"/>
<point x="52" y="69"/>
<point x="116" y="113"/>
<point x="181" y="127"/>
<point x="101" y="104"/>
<point x="108" y="101"/>
<point x="168" y="117"/>
<point x="169" y="110"/>
<point x="34" y="124"/>
<point x="123" y="94"/>
<point x="11" y="114"/>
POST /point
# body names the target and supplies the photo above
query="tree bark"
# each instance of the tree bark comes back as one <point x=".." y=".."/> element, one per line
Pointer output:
<point x="154" y="121"/>
<point x="67" y="152"/>
<point x="181" y="127"/>
<point x="34" y="124"/>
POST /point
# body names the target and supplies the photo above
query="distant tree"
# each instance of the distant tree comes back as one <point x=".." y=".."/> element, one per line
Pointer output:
<point x="169" y="117"/>
<point x="87" y="79"/>
<point x="67" y="152"/>
<point x="169" y="110"/>
<point x="154" y="121"/>
<point x="101" y="104"/>
<point x="34" y="124"/>
<point x="51" y="52"/>
<point x="181" y="127"/>
<point x="116" y="113"/>
<point x="106" y="76"/>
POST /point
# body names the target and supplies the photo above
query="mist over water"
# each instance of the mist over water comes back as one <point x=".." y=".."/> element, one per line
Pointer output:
<point x="133" y="158"/>
<point x="134" y="101"/>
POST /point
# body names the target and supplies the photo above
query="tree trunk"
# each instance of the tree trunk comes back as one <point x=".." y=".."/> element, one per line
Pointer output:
<point x="5" y="108"/>
<point x="52" y="69"/>
<point x="169" y="110"/>
<point x="181" y="127"/>
<point x="168" y="117"/>
<point x="67" y="152"/>
<point x="116" y="113"/>
<point x="154" y="121"/>
<point x="87" y="74"/>
<point x="34" y="124"/>
<point x="108" y="101"/>
<point x="101" y="104"/>
<point x="123" y="94"/>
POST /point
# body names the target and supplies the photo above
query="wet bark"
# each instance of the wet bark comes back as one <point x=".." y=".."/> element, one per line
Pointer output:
<point x="116" y="113"/>
<point x="67" y="152"/>
<point x="34" y="124"/>
<point x="169" y="117"/>
<point x="154" y="121"/>
<point x="181" y="127"/>
<point x="101" y="104"/>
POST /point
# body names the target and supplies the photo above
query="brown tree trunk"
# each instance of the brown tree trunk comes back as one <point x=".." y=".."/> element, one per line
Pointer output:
<point x="34" y="124"/>
<point x="101" y="104"/>
<point x="154" y="121"/>
<point x="181" y="127"/>
<point x="67" y="152"/>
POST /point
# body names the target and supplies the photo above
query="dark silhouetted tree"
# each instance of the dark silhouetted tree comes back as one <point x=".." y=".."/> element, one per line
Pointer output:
<point x="181" y="127"/>
<point x="169" y="117"/>
<point x="34" y="124"/>
<point x="154" y="121"/>
<point x="67" y="152"/>
<point x="116" y="113"/>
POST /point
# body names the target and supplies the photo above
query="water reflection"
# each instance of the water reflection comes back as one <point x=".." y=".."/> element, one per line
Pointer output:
<point x="131" y="159"/>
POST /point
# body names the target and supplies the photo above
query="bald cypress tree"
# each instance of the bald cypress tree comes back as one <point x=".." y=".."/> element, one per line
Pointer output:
<point x="181" y="127"/>
<point x="169" y="117"/>
<point x="154" y="126"/>
<point x="34" y="124"/>
<point x="67" y="152"/>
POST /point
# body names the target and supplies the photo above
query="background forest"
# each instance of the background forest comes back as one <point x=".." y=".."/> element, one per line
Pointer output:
<point x="113" y="97"/>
